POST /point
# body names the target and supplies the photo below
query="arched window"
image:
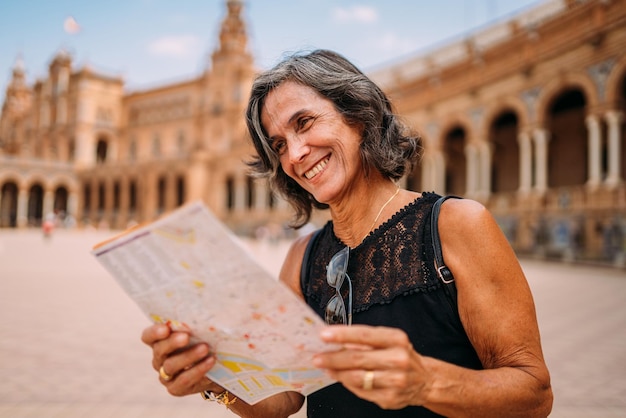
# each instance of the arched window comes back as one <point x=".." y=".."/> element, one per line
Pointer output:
<point x="180" y="190"/>
<point x="35" y="205"/>
<point x="454" y="151"/>
<point x="116" y="196"/>
<point x="506" y="158"/>
<point x="101" y="151"/>
<point x="101" y="197"/>
<point x="249" y="192"/>
<point x="60" y="200"/>
<point x="8" y="205"/>
<point x="87" y="198"/>
<point x="271" y="199"/>
<point x="413" y="179"/>
<point x="230" y="194"/>
<point x="567" y="145"/>
<point x="161" y="191"/>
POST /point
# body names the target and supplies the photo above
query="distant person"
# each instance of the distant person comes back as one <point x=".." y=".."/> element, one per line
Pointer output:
<point x="48" y="225"/>
<point x="327" y="137"/>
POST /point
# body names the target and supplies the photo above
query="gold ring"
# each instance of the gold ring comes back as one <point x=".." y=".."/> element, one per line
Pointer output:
<point x="368" y="380"/>
<point x="166" y="377"/>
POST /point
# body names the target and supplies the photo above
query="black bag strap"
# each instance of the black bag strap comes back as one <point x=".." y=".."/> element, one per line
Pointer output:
<point x="444" y="273"/>
<point x="304" y="270"/>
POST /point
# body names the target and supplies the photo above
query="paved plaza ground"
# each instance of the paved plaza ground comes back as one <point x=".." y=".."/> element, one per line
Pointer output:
<point x="70" y="338"/>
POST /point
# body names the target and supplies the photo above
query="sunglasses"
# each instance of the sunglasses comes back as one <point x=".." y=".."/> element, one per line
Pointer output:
<point x="335" y="273"/>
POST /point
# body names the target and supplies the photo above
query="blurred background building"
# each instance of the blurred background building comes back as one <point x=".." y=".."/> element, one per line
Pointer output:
<point x="525" y="116"/>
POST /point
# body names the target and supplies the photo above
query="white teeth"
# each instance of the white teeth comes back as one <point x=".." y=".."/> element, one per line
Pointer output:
<point x="312" y="172"/>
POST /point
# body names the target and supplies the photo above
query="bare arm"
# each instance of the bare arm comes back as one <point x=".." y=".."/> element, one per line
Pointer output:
<point x="497" y="311"/>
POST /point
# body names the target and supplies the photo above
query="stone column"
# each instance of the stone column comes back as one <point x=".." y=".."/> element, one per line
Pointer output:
<point x="93" y="205"/>
<point x="261" y="193"/>
<point x="614" y="121"/>
<point x="72" y="205"/>
<point x="541" y="138"/>
<point x="428" y="172"/>
<point x="122" y="212"/>
<point x="484" y="186"/>
<point x="22" y="207"/>
<point x="198" y="177"/>
<point x="240" y="193"/>
<point x="440" y="172"/>
<point x="525" y="164"/>
<point x="471" y="182"/>
<point x="48" y="203"/>
<point x="147" y="188"/>
<point x="594" y="142"/>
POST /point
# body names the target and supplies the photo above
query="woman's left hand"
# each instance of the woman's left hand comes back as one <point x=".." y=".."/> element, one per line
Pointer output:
<point x="378" y="364"/>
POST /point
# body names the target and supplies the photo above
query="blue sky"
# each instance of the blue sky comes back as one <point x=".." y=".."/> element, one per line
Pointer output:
<point x="155" y="42"/>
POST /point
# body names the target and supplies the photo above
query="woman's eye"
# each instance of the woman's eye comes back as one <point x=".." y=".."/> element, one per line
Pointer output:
<point x="278" y="146"/>
<point x="304" y="123"/>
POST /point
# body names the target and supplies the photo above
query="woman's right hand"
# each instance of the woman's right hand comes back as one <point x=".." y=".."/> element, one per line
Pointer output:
<point x="185" y="364"/>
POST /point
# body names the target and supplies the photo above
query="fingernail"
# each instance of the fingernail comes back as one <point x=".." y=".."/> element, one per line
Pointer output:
<point x="326" y="333"/>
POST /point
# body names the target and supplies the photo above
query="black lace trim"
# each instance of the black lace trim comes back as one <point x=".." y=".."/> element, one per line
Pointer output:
<point x="391" y="261"/>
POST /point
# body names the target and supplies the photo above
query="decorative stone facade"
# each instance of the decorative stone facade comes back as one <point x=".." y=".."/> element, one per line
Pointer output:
<point x="526" y="116"/>
<point x="76" y="144"/>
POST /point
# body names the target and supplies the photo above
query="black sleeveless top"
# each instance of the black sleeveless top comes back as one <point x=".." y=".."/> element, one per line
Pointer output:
<point x="394" y="284"/>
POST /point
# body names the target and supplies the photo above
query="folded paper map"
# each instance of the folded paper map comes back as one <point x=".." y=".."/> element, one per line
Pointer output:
<point x="189" y="271"/>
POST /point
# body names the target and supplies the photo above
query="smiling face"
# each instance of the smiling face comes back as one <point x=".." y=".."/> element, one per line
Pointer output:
<point x="316" y="147"/>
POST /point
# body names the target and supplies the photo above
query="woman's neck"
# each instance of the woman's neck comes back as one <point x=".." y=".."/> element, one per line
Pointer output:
<point x="366" y="208"/>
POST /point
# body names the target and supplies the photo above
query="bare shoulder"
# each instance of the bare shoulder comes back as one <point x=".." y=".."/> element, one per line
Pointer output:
<point x="466" y="221"/>
<point x="290" y="271"/>
<point x="463" y="213"/>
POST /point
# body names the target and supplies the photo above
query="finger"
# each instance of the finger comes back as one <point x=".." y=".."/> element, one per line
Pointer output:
<point x="186" y="359"/>
<point x="163" y="349"/>
<point x="376" y="337"/>
<point x="359" y="359"/>
<point x="368" y="380"/>
<point x="193" y="379"/>
<point x="155" y="333"/>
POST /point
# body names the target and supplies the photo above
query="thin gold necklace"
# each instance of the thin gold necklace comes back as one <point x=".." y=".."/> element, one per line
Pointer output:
<point x="381" y="211"/>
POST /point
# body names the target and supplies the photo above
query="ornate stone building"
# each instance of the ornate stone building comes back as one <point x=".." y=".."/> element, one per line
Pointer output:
<point x="526" y="116"/>
<point x="75" y="143"/>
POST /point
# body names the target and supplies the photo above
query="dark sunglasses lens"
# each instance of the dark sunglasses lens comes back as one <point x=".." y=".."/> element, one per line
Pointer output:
<point x="336" y="311"/>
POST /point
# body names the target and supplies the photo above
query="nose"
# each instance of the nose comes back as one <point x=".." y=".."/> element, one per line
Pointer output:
<point x="298" y="150"/>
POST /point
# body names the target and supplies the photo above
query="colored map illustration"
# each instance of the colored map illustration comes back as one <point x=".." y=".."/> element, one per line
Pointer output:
<point x="189" y="271"/>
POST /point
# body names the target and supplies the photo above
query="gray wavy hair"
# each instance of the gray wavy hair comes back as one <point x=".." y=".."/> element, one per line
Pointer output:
<point x="386" y="146"/>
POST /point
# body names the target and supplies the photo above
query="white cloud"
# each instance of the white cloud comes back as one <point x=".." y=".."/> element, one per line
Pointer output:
<point x="360" y="14"/>
<point x="391" y="43"/>
<point x="174" y="46"/>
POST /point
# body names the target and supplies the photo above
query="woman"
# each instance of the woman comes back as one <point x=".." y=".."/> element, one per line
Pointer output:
<point x="326" y="136"/>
